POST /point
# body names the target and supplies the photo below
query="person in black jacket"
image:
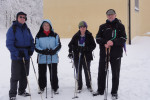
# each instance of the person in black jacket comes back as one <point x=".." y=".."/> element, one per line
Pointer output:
<point x="80" y="49"/>
<point x="110" y="35"/>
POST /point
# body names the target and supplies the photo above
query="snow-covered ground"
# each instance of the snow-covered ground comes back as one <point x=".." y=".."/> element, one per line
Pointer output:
<point x="134" y="78"/>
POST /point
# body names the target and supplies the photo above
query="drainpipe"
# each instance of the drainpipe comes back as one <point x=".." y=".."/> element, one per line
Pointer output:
<point x="129" y="15"/>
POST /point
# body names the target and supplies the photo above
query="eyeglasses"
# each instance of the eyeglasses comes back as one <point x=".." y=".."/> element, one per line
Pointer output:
<point x="22" y="17"/>
<point x="82" y="27"/>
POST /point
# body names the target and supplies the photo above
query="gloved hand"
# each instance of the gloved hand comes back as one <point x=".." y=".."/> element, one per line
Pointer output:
<point x="21" y="54"/>
<point x="70" y="55"/>
<point x="45" y="52"/>
<point x="30" y="53"/>
<point x="52" y="52"/>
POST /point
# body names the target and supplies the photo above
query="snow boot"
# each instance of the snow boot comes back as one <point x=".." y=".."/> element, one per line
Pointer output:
<point x="98" y="93"/>
<point x="78" y="91"/>
<point x="114" y="96"/>
<point x="56" y="92"/>
<point x="40" y="91"/>
<point x="90" y="89"/>
<point x="12" y="98"/>
<point x="25" y="94"/>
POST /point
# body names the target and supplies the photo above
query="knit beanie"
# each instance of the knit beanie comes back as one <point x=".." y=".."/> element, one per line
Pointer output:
<point x="82" y="24"/>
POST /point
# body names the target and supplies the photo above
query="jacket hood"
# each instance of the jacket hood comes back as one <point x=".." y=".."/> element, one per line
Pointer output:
<point x="48" y="21"/>
<point x="40" y="32"/>
<point x="16" y="23"/>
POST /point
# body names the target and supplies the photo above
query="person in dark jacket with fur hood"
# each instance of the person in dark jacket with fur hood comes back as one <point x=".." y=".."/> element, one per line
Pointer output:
<point x="20" y="43"/>
<point x="47" y="45"/>
<point x="80" y="50"/>
<point x="111" y="36"/>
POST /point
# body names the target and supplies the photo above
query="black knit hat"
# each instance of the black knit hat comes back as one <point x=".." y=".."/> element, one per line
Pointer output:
<point x="21" y="13"/>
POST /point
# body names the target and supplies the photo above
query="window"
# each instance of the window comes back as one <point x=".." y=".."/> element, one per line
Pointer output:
<point x="136" y="5"/>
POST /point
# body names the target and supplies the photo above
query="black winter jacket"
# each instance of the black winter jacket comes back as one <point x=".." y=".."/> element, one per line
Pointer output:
<point x="89" y="45"/>
<point x="107" y="32"/>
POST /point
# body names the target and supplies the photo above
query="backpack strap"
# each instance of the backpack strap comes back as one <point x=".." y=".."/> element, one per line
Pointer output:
<point x="14" y="30"/>
<point x="29" y="30"/>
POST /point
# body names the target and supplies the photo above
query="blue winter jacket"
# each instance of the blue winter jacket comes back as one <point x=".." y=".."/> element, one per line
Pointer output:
<point x="43" y="42"/>
<point x="20" y="40"/>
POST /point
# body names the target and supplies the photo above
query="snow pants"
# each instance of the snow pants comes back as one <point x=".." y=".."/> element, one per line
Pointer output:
<point x="115" y="68"/>
<point x="19" y="70"/>
<point x="86" y="66"/>
<point x="42" y="70"/>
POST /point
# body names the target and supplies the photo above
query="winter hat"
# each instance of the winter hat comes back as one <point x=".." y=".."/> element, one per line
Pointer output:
<point x="21" y="13"/>
<point x="82" y="24"/>
<point x="110" y="12"/>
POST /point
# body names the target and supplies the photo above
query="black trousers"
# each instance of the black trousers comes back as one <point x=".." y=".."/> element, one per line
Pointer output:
<point x="19" y="70"/>
<point x="86" y="66"/>
<point x="115" y="68"/>
<point x="42" y="69"/>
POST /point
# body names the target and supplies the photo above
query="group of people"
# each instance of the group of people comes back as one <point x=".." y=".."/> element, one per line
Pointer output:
<point x="21" y="45"/>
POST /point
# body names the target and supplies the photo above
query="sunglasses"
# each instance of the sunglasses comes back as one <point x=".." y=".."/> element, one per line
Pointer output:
<point x="22" y="17"/>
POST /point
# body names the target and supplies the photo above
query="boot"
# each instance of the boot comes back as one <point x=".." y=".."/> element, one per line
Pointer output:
<point x="12" y="98"/>
<point x="24" y="94"/>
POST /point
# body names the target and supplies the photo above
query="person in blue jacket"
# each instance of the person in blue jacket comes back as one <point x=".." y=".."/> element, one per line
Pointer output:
<point x="47" y="45"/>
<point x="20" y="43"/>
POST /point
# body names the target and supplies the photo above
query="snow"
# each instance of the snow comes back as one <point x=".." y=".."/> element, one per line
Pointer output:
<point x="148" y="33"/>
<point x="134" y="77"/>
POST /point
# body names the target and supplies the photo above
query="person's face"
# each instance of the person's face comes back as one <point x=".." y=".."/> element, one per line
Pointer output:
<point x="82" y="30"/>
<point x="111" y="17"/>
<point x="46" y="26"/>
<point x="21" y="19"/>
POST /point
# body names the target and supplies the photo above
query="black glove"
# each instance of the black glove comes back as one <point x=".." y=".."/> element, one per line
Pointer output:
<point x="21" y="54"/>
<point x="30" y="53"/>
<point x="45" y="52"/>
<point x="52" y="52"/>
<point x="70" y="55"/>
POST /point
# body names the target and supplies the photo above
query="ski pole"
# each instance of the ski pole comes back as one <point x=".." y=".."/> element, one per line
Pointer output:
<point x="88" y="71"/>
<point x="51" y="78"/>
<point x="46" y="76"/>
<point x="107" y="72"/>
<point x="79" y="65"/>
<point x="36" y="77"/>
<point x="26" y="76"/>
<point x="75" y="77"/>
